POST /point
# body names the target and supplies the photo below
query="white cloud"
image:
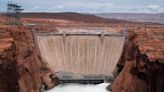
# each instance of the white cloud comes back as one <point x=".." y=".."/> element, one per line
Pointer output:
<point x="37" y="7"/>
<point x="55" y="8"/>
<point x="154" y="7"/>
<point x="88" y="4"/>
<point x="59" y="6"/>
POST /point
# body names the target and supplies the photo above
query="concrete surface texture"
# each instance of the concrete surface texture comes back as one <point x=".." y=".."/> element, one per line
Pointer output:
<point x="81" y="54"/>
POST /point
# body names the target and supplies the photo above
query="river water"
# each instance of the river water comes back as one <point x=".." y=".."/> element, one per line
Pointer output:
<point x="80" y="88"/>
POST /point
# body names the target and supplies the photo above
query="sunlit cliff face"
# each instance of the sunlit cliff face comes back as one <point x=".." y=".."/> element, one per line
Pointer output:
<point x="80" y="88"/>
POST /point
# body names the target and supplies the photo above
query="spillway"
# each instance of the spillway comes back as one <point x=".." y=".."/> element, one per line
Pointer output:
<point x="80" y="88"/>
<point x="81" y="51"/>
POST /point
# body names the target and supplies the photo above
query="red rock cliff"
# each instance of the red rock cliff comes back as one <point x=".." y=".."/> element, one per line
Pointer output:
<point x="141" y="66"/>
<point x="19" y="64"/>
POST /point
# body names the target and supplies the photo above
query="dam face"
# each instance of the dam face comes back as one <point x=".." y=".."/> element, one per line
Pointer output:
<point x="79" y="52"/>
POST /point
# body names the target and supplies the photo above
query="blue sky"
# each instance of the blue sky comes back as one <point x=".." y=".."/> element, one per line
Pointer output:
<point x="89" y="6"/>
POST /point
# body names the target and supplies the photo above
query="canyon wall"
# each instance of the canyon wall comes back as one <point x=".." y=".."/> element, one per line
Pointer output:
<point x="8" y="64"/>
<point x="28" y="64"/>
<point x="20" y="66"/>
<point x="141" y="71"/>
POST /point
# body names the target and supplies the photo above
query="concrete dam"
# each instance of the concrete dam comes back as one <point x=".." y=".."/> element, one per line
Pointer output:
<point x="81" y="53"/>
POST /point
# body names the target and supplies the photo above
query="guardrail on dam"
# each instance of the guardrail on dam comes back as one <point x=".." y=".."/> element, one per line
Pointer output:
<point x="81" y="51"/>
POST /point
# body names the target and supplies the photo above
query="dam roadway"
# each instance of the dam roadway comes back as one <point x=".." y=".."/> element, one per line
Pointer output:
<point x="81" y="51"/>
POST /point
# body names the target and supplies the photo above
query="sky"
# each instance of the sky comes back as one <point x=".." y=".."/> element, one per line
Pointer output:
<point x="89" y="6"/>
